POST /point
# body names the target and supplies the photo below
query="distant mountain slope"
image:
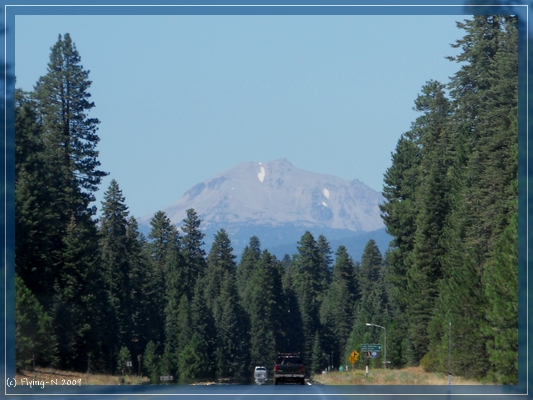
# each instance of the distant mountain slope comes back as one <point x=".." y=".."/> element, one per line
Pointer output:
<point x="278" y="202"/>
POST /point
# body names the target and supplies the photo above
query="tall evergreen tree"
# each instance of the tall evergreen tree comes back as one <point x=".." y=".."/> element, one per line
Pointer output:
<point x="337" y="309"/>
<point x="291" y="322"/>
<point x="33" y="243"/>
<point x="485" y="107"/>
<point x="35" y="340"/>
<point x="233" y="342"/>
<point x="425" y="271"/>
<point x="163" y="253"/>
<point x="174" y="292"/>
<point x="220" y="260"/>
<point x="194" y="254"/>
<point x="63" y="105"/>
<point x="308" y="280"/>
<point x="266" y="308"/>
<point x="326" y="260"/>
<point x="78" y="298"/>
<point x="139" y="278"/>
<point x="250" y="257"/>
<point x="501" y="287"/>
<point x="372" y="305"/>
<point x="115" y="255"/>
<point x="198" y="360"/>
<point x="399" y="214"/>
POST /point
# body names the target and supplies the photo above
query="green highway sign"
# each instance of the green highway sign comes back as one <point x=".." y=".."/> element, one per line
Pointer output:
<point x="370" y="347"/>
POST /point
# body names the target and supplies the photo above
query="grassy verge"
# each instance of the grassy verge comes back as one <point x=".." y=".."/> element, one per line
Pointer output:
<point x="48" y="374"/>
<point x="405" y="376"/>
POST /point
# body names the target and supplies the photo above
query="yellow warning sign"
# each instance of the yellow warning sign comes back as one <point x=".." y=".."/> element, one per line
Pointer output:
<point x="354" y="356"/>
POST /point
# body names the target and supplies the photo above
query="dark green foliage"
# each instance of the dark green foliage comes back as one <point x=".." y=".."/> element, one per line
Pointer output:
<point x="203" y="339"/>
<point x="193" y="361"/>
<point x="249" y="259"/>
<point x="139" y="278"/>
<point x="174" y="304"/>
<point x="326" y="261"/>
<point x="193" y="252"/>
<point x="219" y="261"/>
<point x="233" y="341"/>
<point x="308" y="284"/>
<point x="151" y="362"/>
<point x="337" y="309"/>
<point x="372" y="305"/>
<point x="451" y="193"/>
<point x="320" y="357"/>
<point x="291" y="323"/>
<point x="79" y="298"/>
<point x="124" y="356"/>
<point x="501" y="289"/>
<point x="34" y="336"/>
<point x="63" y="105"/>
<point x="33" y="242"/>
<point x="164" y="255"/>
<point x="115" y="250"/>
<point x="266" y="310"/>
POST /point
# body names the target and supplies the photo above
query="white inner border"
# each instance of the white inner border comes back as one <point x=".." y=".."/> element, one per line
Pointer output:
<point x="270" y="5"/>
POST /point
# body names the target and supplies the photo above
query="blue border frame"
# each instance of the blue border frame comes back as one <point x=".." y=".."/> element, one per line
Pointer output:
<point x="195" y="7"/>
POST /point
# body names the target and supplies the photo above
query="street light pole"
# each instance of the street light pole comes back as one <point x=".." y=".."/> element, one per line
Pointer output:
<point x="385" y="355"/>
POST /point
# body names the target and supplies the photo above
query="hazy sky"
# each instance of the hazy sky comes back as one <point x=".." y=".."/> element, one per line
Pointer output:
<point x="183" y="98"/>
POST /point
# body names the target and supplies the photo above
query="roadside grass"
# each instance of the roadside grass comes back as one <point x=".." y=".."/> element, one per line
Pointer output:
<point x="405" y="376"/>
<point x="48" y="374"/>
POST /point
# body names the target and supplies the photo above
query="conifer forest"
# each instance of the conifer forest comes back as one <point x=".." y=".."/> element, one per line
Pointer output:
<point x="94" y="293"/>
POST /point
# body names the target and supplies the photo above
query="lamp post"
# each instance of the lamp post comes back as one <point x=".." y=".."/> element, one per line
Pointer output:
<point x="385" y="355"/>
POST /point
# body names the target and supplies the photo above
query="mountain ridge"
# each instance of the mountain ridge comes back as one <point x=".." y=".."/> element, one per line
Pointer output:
<point x="276" y="192"/>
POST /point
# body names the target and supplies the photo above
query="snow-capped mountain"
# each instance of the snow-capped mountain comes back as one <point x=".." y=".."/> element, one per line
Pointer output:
<point x="278" y="202"/>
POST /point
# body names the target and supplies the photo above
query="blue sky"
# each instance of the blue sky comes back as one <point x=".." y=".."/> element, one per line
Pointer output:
<point x="183" y="98"/>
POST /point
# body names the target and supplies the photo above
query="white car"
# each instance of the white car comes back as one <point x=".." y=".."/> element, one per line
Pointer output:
<point x="260" y="375"/>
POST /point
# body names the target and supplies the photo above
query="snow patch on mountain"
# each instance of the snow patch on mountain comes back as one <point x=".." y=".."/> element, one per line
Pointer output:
<point x="326" y="193"/>
<point x="261" y="174"/>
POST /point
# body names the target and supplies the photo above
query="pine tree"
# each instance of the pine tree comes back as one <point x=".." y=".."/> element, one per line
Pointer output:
<point x="266" y="307"/>
<point x="372" y="305"/>
<point x="173" y="295"/>
<point x="337" y="309"/>
<point x="501" y="287"/>
<point x="250" y="256"/>
<point x="34" y="335"/>
<point x="164" y="240"/>
<point x="78" y="298"/>
<point x="320" y="358"/>
<point x="485" y="106"/>
<point x="194" y="254"/>
<point x="184" y="324"/>
<point x="193" y="361"/>
<point x="69" y="135"/>
<point x="219" y="261"/>
<point x="115" y="249"/>
<point x="325" y="252"/>
<point x="63" y="104"/>
<point x="425" y="271"/>
<point x="139" y="278"/>
<point x="291" y="321"/>
<point x="308" y="285"/>
<point x="152" y="362"/>
<point x="203" y="340"/>
<point x="233" y="342"/>
<point x="32" y="197"/>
